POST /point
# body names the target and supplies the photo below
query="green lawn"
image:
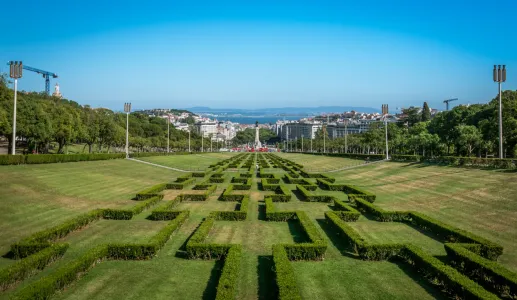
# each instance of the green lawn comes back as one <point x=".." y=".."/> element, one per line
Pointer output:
<point x="35" y="197"/>
<point x="319" y="163"/>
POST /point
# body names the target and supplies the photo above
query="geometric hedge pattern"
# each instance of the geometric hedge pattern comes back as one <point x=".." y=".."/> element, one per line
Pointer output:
<point x="470" y="270"/>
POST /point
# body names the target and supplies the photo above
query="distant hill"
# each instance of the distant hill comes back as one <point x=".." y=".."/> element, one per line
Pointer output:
<point x="284" y="110"/>
<point x="164" y="111"/>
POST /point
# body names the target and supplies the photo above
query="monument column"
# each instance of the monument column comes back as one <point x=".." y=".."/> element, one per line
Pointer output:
<point x="257" y="140"/>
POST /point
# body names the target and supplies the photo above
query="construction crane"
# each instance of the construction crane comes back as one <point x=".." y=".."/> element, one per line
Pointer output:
<point x="447" y="102"/>
<point x="45" y="74"/>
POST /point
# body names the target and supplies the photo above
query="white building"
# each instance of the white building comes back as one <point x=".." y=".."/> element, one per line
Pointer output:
<point x="206" y="128"/>
<point x="181" y="126"/>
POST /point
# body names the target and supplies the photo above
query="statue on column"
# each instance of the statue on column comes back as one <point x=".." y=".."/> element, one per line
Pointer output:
<point x="257" y="136"/>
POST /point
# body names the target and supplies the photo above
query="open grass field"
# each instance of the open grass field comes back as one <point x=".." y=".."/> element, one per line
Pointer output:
<point x="36" y="197"/>
<point x="319" y="163"/>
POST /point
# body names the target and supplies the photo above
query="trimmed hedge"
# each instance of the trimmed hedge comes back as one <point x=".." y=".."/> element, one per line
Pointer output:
<point x="239" y="215"/>
<point x="198" y="174"/>
<point x="361" y="247"/>
<point x="151" y="192"/>
<point x="327" y="185"/>
<point x="282" y="194"/>
<point x="199" y="197"/>
<point x="285" y="278"/>
<point x="56" y="158"/>
<point x="196" y="248"/>
<point x="379" y="213"/>
<point x="179" y="185"/>
<point x="228" y="196"/>
<point x="12" y="159"/>
<point x="451" y="281"/>
<point x="353" y="190"/>
<point x="28" y="266"/>
<point x="45" y="287"/>
<point x="273" y="215"/>
<point x="308" y="196"/>
<point x="481" y="245"/>
<point x="227" y="286"/>
<point x="40" y="240"/>
<point x="489" y="274"/>
<point x="345" y="212"/>
<point x="148" y="250"/>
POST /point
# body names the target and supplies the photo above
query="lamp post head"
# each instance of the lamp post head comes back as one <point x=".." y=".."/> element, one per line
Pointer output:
<point x="127" y="107"/>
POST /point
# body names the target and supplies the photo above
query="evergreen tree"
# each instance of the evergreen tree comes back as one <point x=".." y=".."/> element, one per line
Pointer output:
<point x="426" y="113"/>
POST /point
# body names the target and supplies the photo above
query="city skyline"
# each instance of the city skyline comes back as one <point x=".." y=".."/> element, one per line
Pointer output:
<point x="256" y="56"/>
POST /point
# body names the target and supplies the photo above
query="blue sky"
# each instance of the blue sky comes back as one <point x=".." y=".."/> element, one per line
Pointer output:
<point x="227" y="54"/>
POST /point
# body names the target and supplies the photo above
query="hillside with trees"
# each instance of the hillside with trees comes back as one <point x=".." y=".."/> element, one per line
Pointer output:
<point x="45" y="122"/>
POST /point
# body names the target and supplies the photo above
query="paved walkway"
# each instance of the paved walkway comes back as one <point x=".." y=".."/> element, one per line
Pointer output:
<point x="157" y="165"/>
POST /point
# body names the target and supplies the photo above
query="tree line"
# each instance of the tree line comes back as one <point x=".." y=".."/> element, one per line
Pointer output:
<point x="465" y="130"/>
<point x="45" y="122"/>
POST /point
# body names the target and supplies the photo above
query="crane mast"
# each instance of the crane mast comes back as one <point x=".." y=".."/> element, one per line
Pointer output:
<point x="46" y="75"/>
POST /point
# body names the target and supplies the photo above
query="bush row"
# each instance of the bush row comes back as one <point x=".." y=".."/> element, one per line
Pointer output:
<point x="285" y="278"/>
<point x="308" y="196"/>
<point x="239" y="215"/>
<point x="198" y="174"/>
<point x="481" y="245"/>
<point x="360" y="246"/>
<point x="228" y="196"/>
<point x="353" y="190"/>
<point x="180" y="185"/>
<point x="489" y="274"/>
<point x="345" y="212"/>
<point x="24" y="268"/>
<point x="273" y="215"/>
<point x="449" y="279"/>
<point x="327" y="185"/>
<point x="282" y="194"/>
<point x="227" y="285"/>
<point x="196" y="248"/>
<point x="45" y="287"/>
<point x="56" y="158"/>
<point x="127" y="214"/>
<point x="460" y="161"/>
<point x="147" y="250"/>
<point x="40" y="240"/>
<point x="313" y="250"/>
<point x="151" y="192"/>
<point x="379" y="213"/>
<point x="268" y="187"/>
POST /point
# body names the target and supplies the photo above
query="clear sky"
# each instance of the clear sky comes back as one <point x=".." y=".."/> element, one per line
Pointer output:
<point x="225" y="54"/>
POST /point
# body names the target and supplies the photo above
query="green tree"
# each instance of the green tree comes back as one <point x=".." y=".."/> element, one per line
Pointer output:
<point x="468" y="137"/>
<point x="426" y="113"/>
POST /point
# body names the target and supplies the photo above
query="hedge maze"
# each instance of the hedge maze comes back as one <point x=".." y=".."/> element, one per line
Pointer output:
<point x="468" y="271"/>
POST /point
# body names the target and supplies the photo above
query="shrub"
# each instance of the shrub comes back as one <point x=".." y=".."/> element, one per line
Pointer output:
<point x="379" y="213"/>
<point x="12" y="159"/>
<point x="282" y="194"/>
<point x="483" y="246"/>
<point x="47" y="286"/>
<point x="285" y="278"/>
<point x="345" y="212"/>
<point x="58" y="158"/>
<point x="195" y="247"/>
<point x="326" y="185"/>
<point x="198" y="174"/>
<point x="273" y="215"/>
<point x="353" y="190"/>
<point x="308" y="196"/>
<point x="40" y="240"/>
<point x="26" y="267"/>
<point x="226" y="288"/>
<point x="151" y="192"/>
<point x="453" y="282"/>
<point x="179" y="185"/>
<point x="489" y="274"/>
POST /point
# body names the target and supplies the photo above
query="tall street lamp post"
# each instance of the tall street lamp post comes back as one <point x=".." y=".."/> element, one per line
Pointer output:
<point x="15" y="72"/>
<point x="168" y="132"/>
<point x="189" y="140"/>
<point x="500" y="77"/>
<point x="127" y="110"/>
<point x="302" y="142"/>
<point x="385" y="114"/>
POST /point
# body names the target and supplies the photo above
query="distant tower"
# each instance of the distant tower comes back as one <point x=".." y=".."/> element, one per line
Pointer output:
<point x="56" y="92"/>
<point x="257" y="140"/>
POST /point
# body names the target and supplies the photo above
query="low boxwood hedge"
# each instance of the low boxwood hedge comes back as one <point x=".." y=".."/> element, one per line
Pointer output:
<point x="151" y="192"/>
<point x="379" y="213"/>
<point x="449" y="279"/>
<point x="285" y="278"/>
<point x="26" y="267"/>
<point x="491" y="275"/>
<point x="308" y="196"/>
<point x="227" y="285"/>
